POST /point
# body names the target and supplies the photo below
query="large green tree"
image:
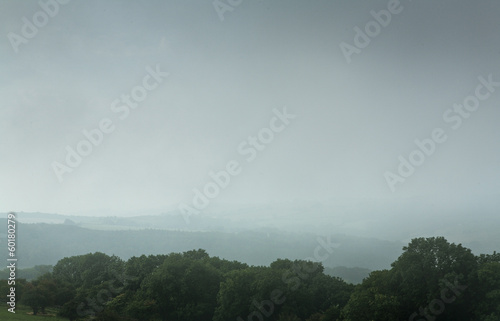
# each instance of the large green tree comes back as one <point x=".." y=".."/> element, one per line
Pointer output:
<point x="88" y="270"/>
<point x="137" y="268"/>
<point x="434" y="275"/>
<point x="488" y="294"/>
<point x="39" y="294"/>
<point x="235" y="295"/>
<point x="182" y="288"/>
<point x="373" y="300"/>
<point x="286" y="289"/>
<point x="432" y="278"/>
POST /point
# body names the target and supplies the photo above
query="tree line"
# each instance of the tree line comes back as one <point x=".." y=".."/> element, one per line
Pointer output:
<point x="431" y="280"/>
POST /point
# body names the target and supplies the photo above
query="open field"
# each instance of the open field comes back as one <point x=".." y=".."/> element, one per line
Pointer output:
<point x="22" y="315"/>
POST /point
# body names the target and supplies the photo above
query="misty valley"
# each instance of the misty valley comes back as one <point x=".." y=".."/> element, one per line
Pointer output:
<point x="111" y="268"/>
<point x="243" y="160"/>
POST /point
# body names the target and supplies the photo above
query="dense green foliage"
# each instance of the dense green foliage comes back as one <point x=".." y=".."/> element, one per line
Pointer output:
<point x="431" y="280"/>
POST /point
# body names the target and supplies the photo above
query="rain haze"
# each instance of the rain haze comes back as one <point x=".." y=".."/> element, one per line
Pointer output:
<point x="354" y="117"/>
<point x="221" y="160"/>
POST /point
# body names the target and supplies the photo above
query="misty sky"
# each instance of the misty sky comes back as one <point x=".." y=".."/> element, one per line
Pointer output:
<point x="226" y="81"/>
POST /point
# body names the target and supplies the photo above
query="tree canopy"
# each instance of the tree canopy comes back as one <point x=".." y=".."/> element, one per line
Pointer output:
<point x="432" y="279"/>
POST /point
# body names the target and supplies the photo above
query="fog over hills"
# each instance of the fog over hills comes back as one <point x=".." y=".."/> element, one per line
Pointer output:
<point x="258" y="234"/>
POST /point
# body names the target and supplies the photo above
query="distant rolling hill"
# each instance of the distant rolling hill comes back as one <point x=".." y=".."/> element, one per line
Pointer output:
<point x="43" y="243"/>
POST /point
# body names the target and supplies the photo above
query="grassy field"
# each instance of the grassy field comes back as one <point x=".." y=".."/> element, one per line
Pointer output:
<point x="22" y="315"/>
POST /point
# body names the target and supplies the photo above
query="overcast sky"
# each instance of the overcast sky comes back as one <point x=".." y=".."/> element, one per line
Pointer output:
<point x="355" y="110"/>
